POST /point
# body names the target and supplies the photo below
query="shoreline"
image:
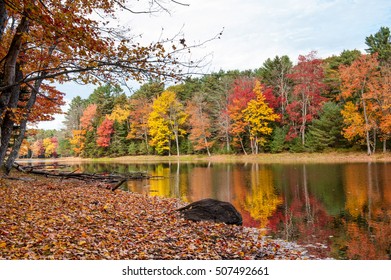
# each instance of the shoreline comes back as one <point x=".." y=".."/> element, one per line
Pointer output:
<point x="281" y="158"/>
<point x="48" y="218"/>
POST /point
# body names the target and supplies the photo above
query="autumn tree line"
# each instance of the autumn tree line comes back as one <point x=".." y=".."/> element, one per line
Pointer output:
<point x="340" y="102"/>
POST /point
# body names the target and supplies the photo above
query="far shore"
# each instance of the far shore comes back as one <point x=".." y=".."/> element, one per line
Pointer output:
<point x="330" y="157"/>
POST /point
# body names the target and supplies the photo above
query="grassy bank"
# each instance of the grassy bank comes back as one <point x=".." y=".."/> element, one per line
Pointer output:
<point x="331" y="157"/>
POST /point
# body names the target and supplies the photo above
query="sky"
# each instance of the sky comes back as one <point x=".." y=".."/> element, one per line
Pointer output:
<point x="255" y="30"/>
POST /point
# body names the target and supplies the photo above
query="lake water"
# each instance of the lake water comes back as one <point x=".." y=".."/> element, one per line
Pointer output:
<point x="341" y="211"/>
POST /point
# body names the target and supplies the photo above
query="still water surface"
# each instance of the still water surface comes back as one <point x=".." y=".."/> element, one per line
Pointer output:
<point x="345" y="208"/>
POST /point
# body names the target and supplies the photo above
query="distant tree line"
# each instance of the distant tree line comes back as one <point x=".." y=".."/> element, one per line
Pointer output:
<point x="340" y="102"/>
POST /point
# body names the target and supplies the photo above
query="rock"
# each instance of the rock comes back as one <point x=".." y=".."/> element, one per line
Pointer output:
<point x="211" y="210"/>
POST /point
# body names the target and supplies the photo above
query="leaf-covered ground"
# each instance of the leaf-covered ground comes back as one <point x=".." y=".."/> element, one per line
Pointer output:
<point x="54" y="219"/>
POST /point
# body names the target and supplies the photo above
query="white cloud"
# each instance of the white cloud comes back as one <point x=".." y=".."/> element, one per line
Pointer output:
<point x="55" y="124"/>
<point x="255" y="30"/>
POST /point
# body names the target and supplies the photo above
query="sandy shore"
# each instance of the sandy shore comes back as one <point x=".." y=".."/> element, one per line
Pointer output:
<point x="332" y="157"/>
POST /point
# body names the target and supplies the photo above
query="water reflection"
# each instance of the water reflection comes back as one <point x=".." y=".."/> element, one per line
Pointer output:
<point x="366" y="220"/>
<point x="345" y="208"/>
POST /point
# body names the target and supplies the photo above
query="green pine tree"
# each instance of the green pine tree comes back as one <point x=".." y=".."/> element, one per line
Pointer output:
<point x="326" y="131"/>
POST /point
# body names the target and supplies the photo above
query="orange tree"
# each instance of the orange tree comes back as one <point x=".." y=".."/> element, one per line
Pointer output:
<point x="364" y="100"/>
<point x="200" y="122"/>
<point x="43" y="41"/>
<point x="138" y="120"/>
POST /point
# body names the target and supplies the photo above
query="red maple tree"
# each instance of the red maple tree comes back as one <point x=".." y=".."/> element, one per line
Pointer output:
<point x="307" y="101"/>
<point x="104" y="132"/>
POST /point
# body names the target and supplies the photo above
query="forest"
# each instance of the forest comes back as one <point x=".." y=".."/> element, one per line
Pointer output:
<point x="342" y="102"/>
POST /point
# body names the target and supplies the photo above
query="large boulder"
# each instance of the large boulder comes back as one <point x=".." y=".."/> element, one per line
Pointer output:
<point x="211" y="210"/>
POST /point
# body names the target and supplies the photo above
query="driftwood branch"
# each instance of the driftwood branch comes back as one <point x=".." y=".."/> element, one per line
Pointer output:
<point x="117" y="179"/>
<point x="17" y="179"/>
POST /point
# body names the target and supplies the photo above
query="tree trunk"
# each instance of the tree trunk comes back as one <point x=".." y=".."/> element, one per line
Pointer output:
<point x="367" y="136"/>
<point x="304" y="121"/>
<point x="7" y="123"/>
<point x="3" y="18"/>
<point x="177" y="141"/>
<point x="207" y="146"/>
<point x="10" y="65"/>
<point x="252" y="144"/>
<point x="146" y="141"/>
<point x="6" y="166"/>
<point x="203" y="129"/>
<point x="15" y="149"/>
<point x="241" y="144"/>
<point x="10" y="95"/>
<point x="385" y="146"/>
<point x="169" y="146"/>
<point x="22" y="130"/>
<point x="6" y="134"/>
<point x="227" y="140"/>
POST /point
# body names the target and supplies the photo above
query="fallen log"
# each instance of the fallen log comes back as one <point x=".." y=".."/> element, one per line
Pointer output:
<point x="18" y="179"/>
<point x="113" y="178"/>
<point x="46" y="166"/>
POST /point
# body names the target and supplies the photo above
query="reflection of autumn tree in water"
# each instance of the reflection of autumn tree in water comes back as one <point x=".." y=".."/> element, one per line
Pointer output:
<point x="356" y="184"/>
<point x="313" y="227"/>
<point x="366" y="222"/>
<point x="302" y="217"/>
<point x="159" y="187"/>
<point x="365" y="239"/>
<point x="262" y="201"/>
<point x="201" y="182"/>
<point x="239" y="183"/>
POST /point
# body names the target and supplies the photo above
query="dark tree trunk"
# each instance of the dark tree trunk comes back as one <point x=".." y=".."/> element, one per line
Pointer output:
<point x="3" y="18"/>
<point x="10" y="66"/>
<point x="7" y="123"/>
<point x="10" y="94"/>
<point x="15" y="149"/>
<point x="22" y="130"/>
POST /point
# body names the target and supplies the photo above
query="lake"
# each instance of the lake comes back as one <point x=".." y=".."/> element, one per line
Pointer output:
<point x="339" y="210"/>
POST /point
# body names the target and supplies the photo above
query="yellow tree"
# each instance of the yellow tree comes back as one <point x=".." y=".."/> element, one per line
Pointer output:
<point x="258" y="116"/>
<point x="50" y="146"/>
<point x="24" y="149"/>
<point x="78" y="141"/>
<point x="165" y="122"/>
<point x="354" y="122"/>
<point x="120" y="114"/>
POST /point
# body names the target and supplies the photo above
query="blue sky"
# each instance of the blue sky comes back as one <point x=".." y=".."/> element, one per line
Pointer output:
<point x="255" y="30"/>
